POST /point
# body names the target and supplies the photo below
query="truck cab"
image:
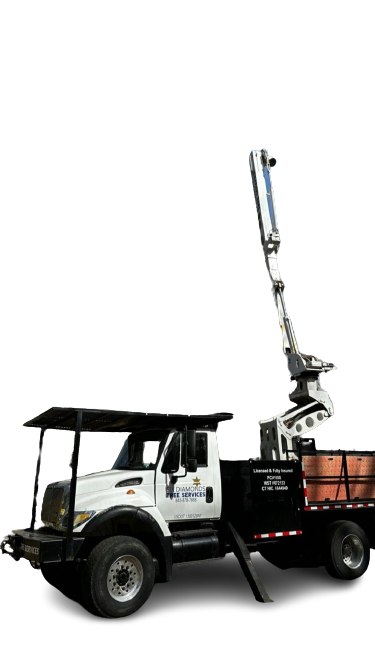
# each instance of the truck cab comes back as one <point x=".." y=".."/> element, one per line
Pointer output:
<point x="152" y="472"/>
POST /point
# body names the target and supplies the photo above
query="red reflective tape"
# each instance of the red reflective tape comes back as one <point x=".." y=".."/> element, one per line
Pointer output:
<point x="305" y="492"/>
<point x="366" y="505"/>
<point x="277" y="534"/>
<point x="355" y="506"/>
<point x="332" y="506"/>
<point x="320" y="508"/>
<point x="303" y="474"/>
<point x="307" y="508"/>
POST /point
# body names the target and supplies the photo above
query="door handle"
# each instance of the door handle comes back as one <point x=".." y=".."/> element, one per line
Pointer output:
<point x="209" y="494"/>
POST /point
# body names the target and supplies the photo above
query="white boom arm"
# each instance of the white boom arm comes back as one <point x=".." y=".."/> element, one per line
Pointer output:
<point x="280" y="435"/>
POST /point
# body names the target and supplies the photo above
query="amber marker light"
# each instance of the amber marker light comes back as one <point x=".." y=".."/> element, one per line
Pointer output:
<point x="131" y="492"/>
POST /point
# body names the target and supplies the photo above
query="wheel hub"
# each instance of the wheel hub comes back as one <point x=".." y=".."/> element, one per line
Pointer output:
<point x="124" y="578"/>
<point x="352" y="551"/>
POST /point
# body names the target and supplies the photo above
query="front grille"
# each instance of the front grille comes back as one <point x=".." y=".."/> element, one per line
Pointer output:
<point x="53" y="502"/>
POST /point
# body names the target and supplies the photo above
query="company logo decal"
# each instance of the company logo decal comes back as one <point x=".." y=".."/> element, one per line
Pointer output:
<point x="29" y="549"/>
<point x="190" y="493"/>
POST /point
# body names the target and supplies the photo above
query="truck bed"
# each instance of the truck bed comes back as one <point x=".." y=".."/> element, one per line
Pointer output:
<point x="270" y="499"/>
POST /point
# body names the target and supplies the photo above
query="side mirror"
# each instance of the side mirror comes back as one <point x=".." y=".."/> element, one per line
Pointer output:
<point x="191" y="436"/>
<point x="190" y="442"/>
<point x="192" y="465"/>
<point x="171" y="464"/>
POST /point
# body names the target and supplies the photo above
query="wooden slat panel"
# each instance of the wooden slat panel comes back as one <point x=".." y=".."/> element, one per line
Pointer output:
<point x="334" y="489"/>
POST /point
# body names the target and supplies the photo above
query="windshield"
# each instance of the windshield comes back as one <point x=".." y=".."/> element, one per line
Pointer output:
<point x="141" y="450"/>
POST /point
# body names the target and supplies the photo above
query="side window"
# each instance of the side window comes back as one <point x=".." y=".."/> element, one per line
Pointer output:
<point x="201" y="449"/>
<point x="171" y="462"/>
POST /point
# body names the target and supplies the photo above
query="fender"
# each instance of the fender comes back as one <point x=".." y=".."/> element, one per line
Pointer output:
<point x="106" y="521"/>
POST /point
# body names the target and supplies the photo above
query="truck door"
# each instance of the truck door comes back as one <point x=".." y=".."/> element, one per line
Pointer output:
<point x="194" y="496"/>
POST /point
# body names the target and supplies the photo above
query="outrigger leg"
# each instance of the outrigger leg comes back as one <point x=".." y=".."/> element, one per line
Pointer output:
<point x="243" y="555"/>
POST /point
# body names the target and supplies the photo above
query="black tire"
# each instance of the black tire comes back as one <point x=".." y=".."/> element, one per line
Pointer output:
<point x="347" y="550"/>
<point x="117" y="577"/>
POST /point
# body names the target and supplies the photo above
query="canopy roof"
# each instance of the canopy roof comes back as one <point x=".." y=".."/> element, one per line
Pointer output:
<point x="96" y="420"/>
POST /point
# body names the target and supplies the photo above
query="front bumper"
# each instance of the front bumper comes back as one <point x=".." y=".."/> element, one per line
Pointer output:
<point x="39" y="547"/>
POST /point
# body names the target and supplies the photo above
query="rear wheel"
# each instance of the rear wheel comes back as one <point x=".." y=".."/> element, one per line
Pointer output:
<point x="118" y="577"/>
<point x="347" y="552"/>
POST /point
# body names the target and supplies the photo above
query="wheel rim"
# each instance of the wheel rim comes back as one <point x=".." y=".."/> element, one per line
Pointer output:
<point x="125" y="577"/>
<point x="352" y="551"/>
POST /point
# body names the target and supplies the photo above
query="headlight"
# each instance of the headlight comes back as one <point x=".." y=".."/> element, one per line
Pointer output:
<point x="129" y="482"/>
<point x="79" y="518"/>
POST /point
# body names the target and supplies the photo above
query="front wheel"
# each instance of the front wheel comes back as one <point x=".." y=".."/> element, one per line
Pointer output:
<point x="347" y="553"/>
<point x="118" y="577"/>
